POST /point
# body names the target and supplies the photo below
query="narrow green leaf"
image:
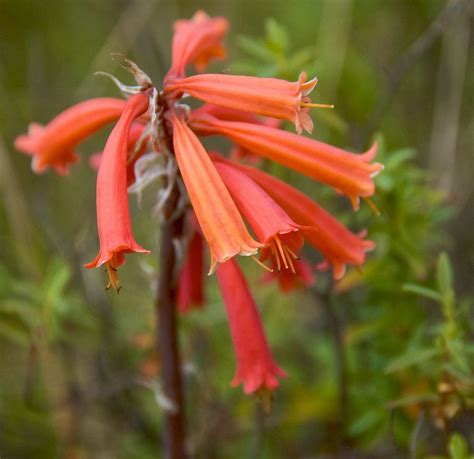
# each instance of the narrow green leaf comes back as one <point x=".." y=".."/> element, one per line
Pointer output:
<point x="422" y="291"/>
<point x="277" y="34"/>
<point x="410" y="359"/>
<point x="444" y="274"/>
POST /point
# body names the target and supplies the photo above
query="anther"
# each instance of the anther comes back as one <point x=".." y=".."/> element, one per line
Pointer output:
<point x="373" y="207"/>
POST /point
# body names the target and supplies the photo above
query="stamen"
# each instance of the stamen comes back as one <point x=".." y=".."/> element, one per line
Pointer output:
<point x="311" y="105"/>
<point x="293" y="254"/>
<point x="264" y="266"/>
<point x="114" y="281"/>
<point x="275" y="255"/>
<point x="282" y="252"/>
<point x="374" y="208"/>
<point x="290" y="261"/>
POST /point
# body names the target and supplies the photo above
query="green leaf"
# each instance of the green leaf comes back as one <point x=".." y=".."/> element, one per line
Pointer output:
<point x="413" y="400"/>
<point x="444" y="274"/>
<point x="276" y="34"/>
<point x="255" y="49"/>
<point x="366" y="422"/>
<point x="410" y="359"/>
<point x="457" y="447"/>
<point x="422" y="291"/>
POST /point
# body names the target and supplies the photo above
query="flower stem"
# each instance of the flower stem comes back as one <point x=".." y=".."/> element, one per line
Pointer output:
<point x="167" y="340"/>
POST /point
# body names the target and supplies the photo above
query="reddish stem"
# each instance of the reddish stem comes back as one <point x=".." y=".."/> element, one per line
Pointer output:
<point x="167" y="341"/>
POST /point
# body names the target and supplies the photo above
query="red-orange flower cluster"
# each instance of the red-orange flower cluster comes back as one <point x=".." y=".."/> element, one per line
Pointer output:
<point x="236" y="209"/>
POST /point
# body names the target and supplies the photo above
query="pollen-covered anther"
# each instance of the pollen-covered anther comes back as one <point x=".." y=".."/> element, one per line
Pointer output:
<point x="114" y="281"/>
<point x="372" y="206"/>
<point x="306" y="104"/>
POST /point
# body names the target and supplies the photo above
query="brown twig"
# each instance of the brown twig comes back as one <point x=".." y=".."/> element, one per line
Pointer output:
<point x="420" y="46"/>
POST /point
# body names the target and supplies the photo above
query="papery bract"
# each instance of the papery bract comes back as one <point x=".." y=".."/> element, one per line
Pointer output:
<point x="264" y="96"/>
<point x="218" y="217"/>
<point x="53" y="145"/>
<point x="349" y="173"/>
<point x="256" y="368"/>
<point x="113" y="217"/>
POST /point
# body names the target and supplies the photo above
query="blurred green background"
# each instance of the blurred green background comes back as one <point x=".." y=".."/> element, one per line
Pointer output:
<point x="380" y="364"/>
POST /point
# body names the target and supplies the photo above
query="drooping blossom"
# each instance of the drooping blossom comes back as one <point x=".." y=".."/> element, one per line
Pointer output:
<point x="218" y="216"/>
<point x="196" y="41"/>
<point x="349" y="173"/>
<point x="332" y="239"/>
<point x="113" y="217"/>
<point x="256" y="369"/>
<point x="270" y="223"/>
<point x="191" y="277"/>
<point x="136" y="147"/>
<point x="53" y="145"/>
<point x="264" y="96"/>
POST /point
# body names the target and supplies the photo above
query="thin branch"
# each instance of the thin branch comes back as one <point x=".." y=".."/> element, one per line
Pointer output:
<point x="412" y="55"/>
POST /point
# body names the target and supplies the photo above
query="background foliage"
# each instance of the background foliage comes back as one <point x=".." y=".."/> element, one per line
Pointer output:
<point x="380" y="364"/>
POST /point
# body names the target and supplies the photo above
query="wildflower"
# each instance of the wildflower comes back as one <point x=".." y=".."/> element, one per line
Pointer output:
<point x="190" y="286"/>
<point x="349" y="173"/>
<point x="337" y="244"/>
<point x="264" y="96"/>
<point x="270" y="223"/>
<point x="196" y="41"/>
<point x="113" y="218"/>
<point x="256" y="368"/>
<point x="53" y="145"/>
<point x="218" y="217"/>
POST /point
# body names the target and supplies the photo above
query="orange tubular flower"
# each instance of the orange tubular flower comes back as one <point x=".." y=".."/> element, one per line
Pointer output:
<point x="265" y="96"/>
<point x="215" y="210"/>
<point x="191" y="278"/>
<point x="256" y="368"/>
<point x="268" y="220"/>
<point x="53" y="145"/>
<point x="337" y="244"/>
<point x="197" y="41"/>
<point x="347" y="172"/>
<point x="113" y="218"/>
